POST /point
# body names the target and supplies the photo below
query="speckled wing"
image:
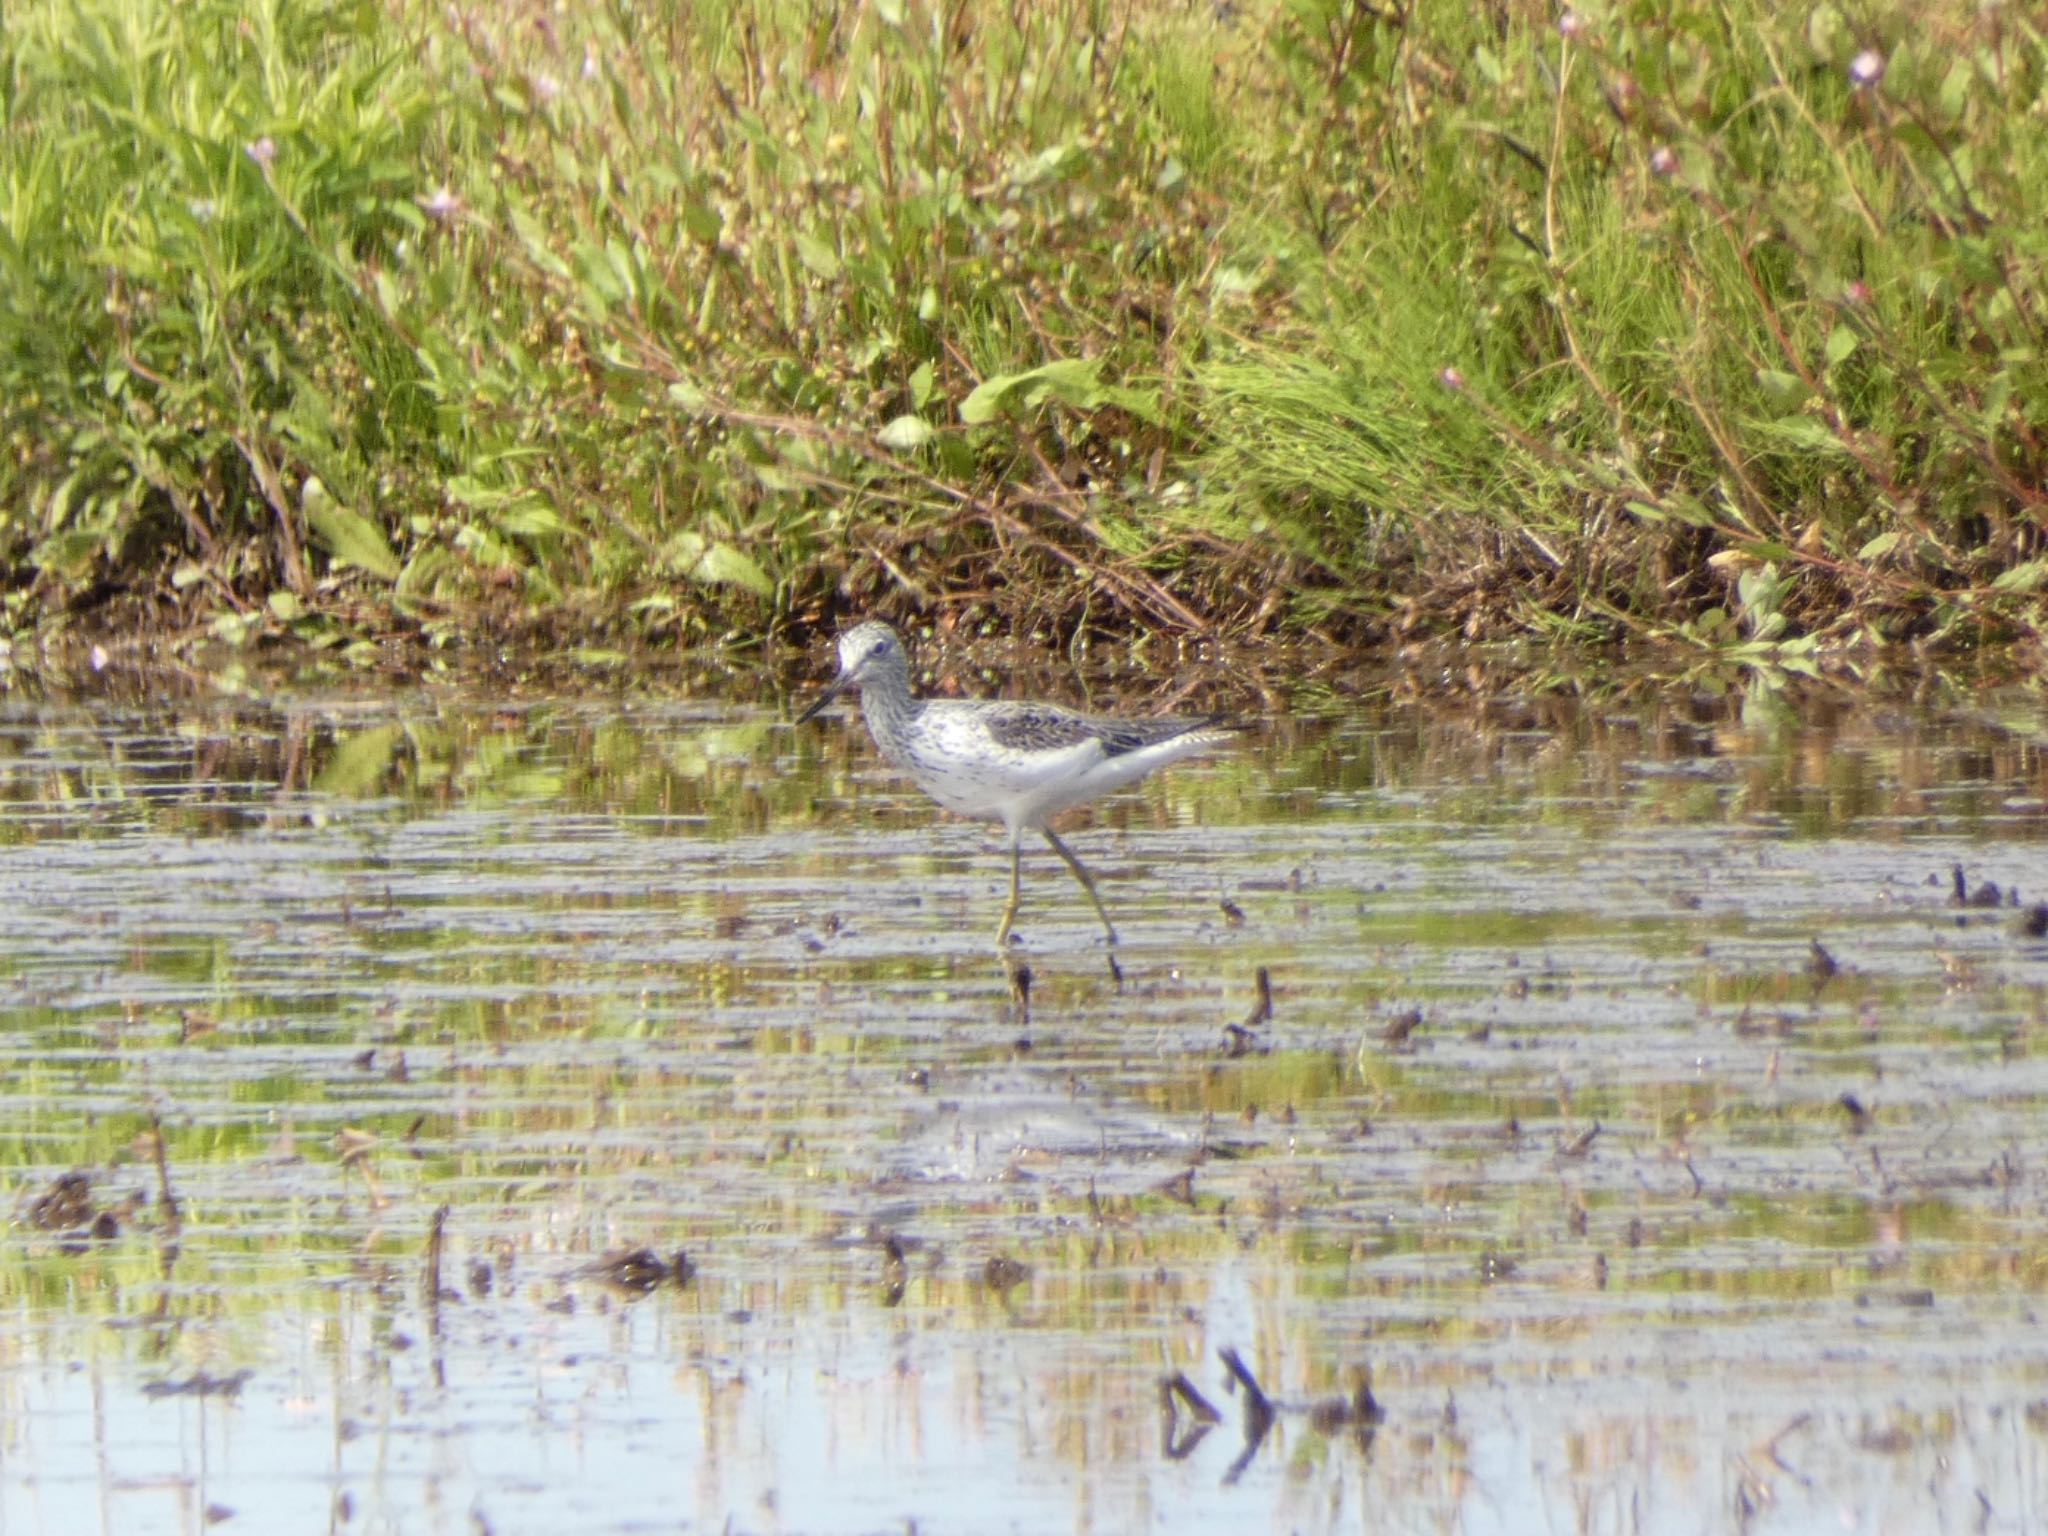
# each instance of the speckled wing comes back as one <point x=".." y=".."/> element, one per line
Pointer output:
<point x="1046" y="728"/>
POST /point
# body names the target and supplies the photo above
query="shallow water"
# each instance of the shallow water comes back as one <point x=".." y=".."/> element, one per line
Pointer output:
<point x="1638" y="1214"/>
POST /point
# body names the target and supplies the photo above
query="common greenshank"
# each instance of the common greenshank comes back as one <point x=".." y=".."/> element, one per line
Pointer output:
<point x="1014" y="762"/>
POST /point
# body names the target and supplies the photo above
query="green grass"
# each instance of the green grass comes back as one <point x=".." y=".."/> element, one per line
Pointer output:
<point x="1705" y="322"/>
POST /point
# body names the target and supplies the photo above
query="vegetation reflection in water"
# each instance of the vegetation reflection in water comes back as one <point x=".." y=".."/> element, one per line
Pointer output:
<point x="1637" y="1105"/>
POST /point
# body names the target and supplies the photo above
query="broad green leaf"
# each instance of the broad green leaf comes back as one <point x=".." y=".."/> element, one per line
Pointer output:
<point x="1766" y="549"/>
<point x="721" y="564"/>
<point x="539" y="243"/>
<point x="905" y="434"/>
<point x="1800" y="432"/>
<point x="703" y="222"/>
<point x="1841" y="342"/>
<point x="690" y="397"/>
<point x="1784" y="389"/>
<point x="530" y="518"/>
<point x="2022" y="578"/>
<point x="1075" y="382"/>
<point x="1997" y="396"/>
<point x="819" y="257"/>
<point x="348" y="535"/>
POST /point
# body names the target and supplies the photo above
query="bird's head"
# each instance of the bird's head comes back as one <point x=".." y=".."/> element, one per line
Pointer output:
<point x="865" y="650"/>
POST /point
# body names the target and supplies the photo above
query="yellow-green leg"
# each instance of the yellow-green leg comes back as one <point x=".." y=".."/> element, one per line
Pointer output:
<point x="1010" y="912"/>
<point x="1087" y="881"/>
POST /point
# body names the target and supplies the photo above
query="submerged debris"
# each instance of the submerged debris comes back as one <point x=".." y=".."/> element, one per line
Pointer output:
<point x="1983" y="896"/>
<point x="1003" y="1274"/>
<point x="65" y="1205"/>
<point x="641" y="1270"/>
<point x="895" y="1270"/>
<point x="1580" y="1146"/>
<point x="200" y="1384"/>
<point x="1398" y="1030"/>
<point x="1239" y="1041"/>
<point x="1360" y="1412"/>
<point x="1020" y="989"/>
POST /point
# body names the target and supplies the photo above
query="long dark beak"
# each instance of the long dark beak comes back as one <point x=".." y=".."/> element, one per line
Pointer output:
<point x="832" y="691"/>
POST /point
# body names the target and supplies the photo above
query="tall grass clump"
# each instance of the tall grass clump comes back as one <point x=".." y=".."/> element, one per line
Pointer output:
<point x="1638" y="316"/>
<point x="197" y="385"/>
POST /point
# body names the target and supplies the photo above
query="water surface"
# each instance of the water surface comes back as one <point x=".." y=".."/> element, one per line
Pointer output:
<point x="1638" y="1113"/>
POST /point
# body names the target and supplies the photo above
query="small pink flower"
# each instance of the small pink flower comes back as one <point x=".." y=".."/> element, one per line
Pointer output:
<point x="263" y="151"/>
<point x="1451" y="379"/>
<point x="1866" y="69"/>
<point x="441" y="204"/>
<point x="1663" y="161"/>
<point x="1570" y="25"/>
<point x="1858" y="292"/>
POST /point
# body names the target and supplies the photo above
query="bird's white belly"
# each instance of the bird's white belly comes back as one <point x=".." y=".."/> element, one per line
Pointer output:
<point x="961" y="769"/>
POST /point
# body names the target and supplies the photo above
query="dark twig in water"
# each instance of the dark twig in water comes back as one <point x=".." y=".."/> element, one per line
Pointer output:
<point x="435" y="1233"/>
<point x="1262" y="1007"/>
<point x="1984" y="896"/>
<point x="355" y="1145"/>
<point x="1174" y="1393"/>
<point x="166" y="1201"/>
<point x="1258" y="1413"/>
<point x="1820" y="965"/>
<point x="1177" y="1391"/>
